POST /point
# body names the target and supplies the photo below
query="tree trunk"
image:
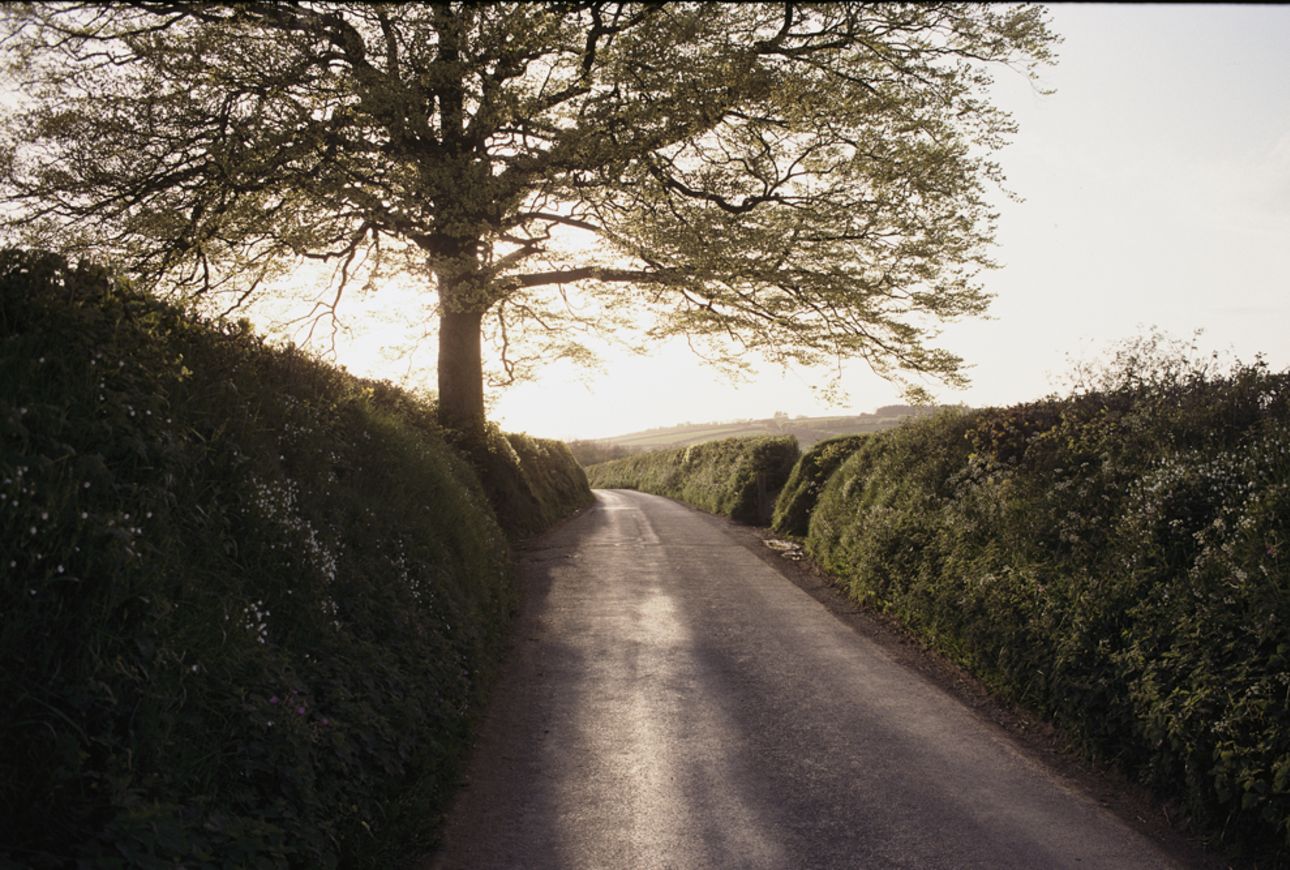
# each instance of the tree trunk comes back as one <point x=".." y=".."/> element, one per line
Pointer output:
<point x="461" y="372"/>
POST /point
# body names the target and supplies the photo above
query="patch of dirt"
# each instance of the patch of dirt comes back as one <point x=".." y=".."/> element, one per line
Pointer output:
<point x="1163" y="823"/>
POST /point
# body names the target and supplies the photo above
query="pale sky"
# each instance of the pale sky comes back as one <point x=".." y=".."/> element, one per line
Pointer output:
<point x="1157" y="193"/>
<point x="1156" y="185"/>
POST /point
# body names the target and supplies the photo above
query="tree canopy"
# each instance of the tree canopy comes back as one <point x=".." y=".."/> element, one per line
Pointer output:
<point x="807" y="181"/>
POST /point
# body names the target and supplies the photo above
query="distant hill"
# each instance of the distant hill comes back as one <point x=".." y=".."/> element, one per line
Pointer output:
<point x="807" y="430"/>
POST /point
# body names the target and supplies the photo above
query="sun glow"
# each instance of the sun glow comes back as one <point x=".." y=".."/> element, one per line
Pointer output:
<point x="1157" y="192"/>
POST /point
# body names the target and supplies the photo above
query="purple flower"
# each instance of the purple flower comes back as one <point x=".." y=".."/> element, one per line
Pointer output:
<point x="273" y="700"/>
<point x="300" y="711"/>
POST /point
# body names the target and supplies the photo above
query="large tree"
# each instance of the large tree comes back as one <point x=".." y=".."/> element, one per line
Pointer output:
<point x="808" y="181"/>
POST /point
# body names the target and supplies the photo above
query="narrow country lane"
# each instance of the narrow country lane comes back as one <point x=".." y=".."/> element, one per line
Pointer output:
<point x="673" y="701"/>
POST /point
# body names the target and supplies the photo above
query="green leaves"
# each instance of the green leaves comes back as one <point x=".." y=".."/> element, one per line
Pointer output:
<point x="1115" y="560"/>
<point x="808" y="182"/>
<point x="737" y="477"/>
<point x="238" y="628"/>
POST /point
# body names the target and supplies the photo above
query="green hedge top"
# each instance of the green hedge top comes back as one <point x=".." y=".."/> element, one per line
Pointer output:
<point x="797" y="499"/>
<point x="1119" y="561"/>
<point x="246" y="598"/>
<point x="737" y="477"/>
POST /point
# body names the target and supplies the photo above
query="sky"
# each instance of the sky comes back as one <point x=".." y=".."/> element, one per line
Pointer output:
<point x="1156" y="194"/>
<point x="1156" y="187"/>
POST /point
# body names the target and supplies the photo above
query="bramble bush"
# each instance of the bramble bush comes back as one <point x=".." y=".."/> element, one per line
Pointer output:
<point x="248" y="600"/>
<point x="1115" y="560"/>
<point x="737" y="477"/>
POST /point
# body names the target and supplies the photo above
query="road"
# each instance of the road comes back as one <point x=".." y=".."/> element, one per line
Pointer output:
<point x="672" y="700"/>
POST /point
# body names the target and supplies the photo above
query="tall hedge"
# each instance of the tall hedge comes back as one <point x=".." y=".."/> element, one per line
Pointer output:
<point x="1119" y="561"/>
<point x="246" y="601"/>
<point x="738" y="477"/>
<point x="812" y="471"/>
<point x="531" y="482"/>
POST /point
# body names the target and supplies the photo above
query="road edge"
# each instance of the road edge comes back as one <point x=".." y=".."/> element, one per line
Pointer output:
<point x="1160" y="822"/>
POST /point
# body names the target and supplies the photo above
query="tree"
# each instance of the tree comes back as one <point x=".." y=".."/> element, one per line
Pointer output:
<point x="807" y="181"/>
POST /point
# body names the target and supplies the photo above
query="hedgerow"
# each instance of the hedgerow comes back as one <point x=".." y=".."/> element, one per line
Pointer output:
<point x="248" y="600"/>
<point x="1116" y="560"/>
<point x="738" y="477"/>
<point x="530" y="482"/>
<point x="812" y="471"/>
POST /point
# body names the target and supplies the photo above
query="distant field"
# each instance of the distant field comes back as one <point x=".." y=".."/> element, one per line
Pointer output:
<point x="807" y="430"/>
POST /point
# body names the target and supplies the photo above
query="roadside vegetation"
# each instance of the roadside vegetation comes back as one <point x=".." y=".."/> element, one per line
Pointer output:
<point x="530" y="482"/>
<point x="737" y="477"/>
<point x="1118" y="561"/>
<point x="812" y="471"/>
<point x="248" y="602"/>
<point x="808" y="431"/>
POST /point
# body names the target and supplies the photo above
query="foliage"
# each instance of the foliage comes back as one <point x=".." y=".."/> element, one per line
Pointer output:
<point x="557" y="481"/>
<point x="1116" y="560"/>
<point x="530" y="482"/>
<point x="797" y="499"/>
<point x="247" y="599"/>
<point x="738" y="477"/>
<point x="805" y="181"/>
<point x="591" y="452"/>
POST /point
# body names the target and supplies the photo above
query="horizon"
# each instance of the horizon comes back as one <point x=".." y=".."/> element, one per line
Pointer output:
<point x="704" y="424"/>
<point x="1156" y="196"/>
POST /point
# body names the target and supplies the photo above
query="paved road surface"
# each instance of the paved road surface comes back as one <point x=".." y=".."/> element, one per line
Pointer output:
<point x="673" y="701"/>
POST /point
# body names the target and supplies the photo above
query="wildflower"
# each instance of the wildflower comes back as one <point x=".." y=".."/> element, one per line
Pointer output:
<point x="300" y="711"/>
<point x="273" y="700"/>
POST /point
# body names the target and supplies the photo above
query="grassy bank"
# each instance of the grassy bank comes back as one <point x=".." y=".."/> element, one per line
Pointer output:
<point x="1116" y="561"/>
<point x="737" y="477"/>
<point x="248" y="599"/>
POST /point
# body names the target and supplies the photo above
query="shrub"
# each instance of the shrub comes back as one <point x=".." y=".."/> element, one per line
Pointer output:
<point x="557" y="481"/>
<point x="797" y="499"/>
<point x="738" y="477"/>
<point x="1115" y="560"/>
<point x="530" y="482"/>
<point x="247" y="599"/>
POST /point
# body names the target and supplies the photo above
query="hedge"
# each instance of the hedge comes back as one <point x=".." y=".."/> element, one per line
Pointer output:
<point x="737" y="477"/>
<point x="812" y="471"/>
<point x="248" y="600"/>
<point x="1116" y="561"/>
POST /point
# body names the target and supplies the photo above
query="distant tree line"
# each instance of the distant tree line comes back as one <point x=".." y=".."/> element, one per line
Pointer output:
<point x="591" y="452"/>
